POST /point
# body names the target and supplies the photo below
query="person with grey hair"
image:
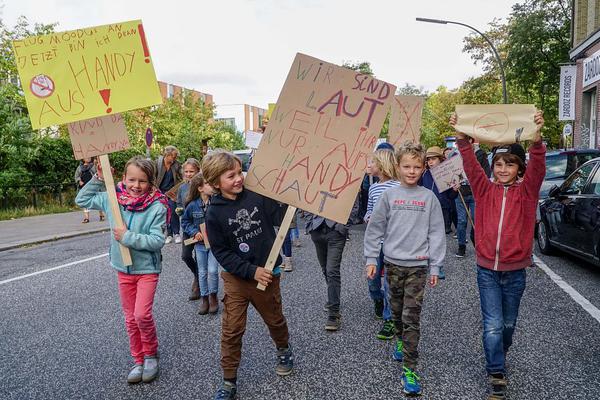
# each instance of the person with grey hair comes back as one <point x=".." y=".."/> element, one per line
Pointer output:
<point x="168" y="175"/>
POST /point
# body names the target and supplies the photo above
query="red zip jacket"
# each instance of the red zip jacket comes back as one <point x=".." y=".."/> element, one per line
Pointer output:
<point x="504" y="215"/>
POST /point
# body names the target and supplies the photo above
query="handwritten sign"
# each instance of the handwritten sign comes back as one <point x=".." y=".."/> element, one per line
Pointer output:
<point x="448" y="173"/>
<point x="76" y="75"/>
<point x="497" y="123"/>
<point x="405" y="119"/>
<point x="253" y="139"/>
<point x="102" y="135"/>
<point x="322" y="131"/>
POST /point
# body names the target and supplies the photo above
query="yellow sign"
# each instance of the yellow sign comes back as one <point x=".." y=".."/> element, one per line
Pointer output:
<point x="270" y="110"/>
<point x="86" y="73"/>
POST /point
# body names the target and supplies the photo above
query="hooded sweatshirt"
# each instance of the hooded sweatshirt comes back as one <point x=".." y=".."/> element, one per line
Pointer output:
<point x="504" y="215"/>
<point x="242" y="232"/>
<point x="409" y="220"/>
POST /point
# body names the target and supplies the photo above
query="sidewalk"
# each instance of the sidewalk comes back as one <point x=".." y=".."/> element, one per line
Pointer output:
<point x="43" y="228"/>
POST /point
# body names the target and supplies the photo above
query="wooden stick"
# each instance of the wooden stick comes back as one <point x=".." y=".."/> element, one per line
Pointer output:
<point x="114" y="205"/>
<point x="466" y="209"/>
<point x="191" y="240"/>
<point x="283" y="230"/>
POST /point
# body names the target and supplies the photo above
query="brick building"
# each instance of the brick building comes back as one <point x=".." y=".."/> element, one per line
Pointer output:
<point x="585" y="53"/>
<point x="243" y="117"/>
<point x="168" y="90"/>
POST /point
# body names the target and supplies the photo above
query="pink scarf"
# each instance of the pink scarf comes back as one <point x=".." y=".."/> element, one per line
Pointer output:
<point x="135" y="204"/>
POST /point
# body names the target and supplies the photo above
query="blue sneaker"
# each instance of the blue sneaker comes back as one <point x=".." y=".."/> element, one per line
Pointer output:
<point x="410" y="382"/>
<point x="442" y="274"/>
<point x="398" y="350"/>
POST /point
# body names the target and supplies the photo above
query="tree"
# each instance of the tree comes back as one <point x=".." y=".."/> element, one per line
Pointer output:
<point x="364" y="67"/>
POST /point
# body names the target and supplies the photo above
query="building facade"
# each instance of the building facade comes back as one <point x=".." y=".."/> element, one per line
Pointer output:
<point x="168" y="90"/>
<point x="585" y="53"/>
<point x="243" y="117"/>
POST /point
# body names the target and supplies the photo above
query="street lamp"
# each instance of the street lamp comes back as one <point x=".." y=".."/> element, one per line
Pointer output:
<point x="444" y="22"/>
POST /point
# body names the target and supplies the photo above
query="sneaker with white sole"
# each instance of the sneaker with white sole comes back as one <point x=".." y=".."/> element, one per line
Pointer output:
<point x="150" y="368"/>
<point x="135" y="375"/>
<point x="169" y="239"/>
<point x="177" y="238"/>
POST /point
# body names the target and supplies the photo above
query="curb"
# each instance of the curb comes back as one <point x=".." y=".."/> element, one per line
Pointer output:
<point x="47" y="239"/>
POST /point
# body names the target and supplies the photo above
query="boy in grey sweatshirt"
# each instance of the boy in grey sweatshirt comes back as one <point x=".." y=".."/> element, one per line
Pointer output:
<point x="409" y="220"/>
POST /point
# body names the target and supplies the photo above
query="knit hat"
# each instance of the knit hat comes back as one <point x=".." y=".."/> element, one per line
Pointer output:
<point x="434" y="151"/>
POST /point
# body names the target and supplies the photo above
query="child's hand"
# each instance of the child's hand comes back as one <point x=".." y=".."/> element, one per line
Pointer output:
<point x="453" y="121"/>
<point x="538" y="118"/>
<point x="263" y="276"/>
<point x="371" y="269"/>
<point x="198" y="237"/>
<point x="433" y="280"/>
<point x="119" y="232"/>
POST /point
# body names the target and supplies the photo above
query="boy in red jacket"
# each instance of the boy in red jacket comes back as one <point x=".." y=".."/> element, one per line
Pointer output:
<point x="504" y="231"/>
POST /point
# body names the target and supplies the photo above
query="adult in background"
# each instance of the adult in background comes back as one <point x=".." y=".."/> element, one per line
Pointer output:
<point x="450" y="152"/>
<point x="168" y="174"/>
<point x="83" y="174"/>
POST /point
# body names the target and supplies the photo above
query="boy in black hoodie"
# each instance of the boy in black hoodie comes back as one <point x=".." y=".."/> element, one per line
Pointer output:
<point x="240" y="227"/>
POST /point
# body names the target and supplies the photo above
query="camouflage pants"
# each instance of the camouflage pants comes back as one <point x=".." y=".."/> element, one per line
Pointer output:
<point x="407" y="287"/>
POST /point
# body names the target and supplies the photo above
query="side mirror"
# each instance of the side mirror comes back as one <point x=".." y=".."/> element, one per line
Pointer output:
<point x="554" y="191"/>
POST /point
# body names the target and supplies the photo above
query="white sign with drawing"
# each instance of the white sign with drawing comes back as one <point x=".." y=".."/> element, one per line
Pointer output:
<point x="253" y="139"/>
<point x="449" y="173"/>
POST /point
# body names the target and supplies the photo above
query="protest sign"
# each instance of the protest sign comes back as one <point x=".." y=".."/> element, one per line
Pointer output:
<point x="85" y="73"/>
<point x="314" y="151"/>
<point x="448" y="173"/>
<point x="101" y="135"/>
<point x="497" y="123"/>
<point x="253" y="139"/>
<point x="405" y="120"/>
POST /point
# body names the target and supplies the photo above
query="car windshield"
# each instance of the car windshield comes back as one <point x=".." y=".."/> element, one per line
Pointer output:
<point x="556" y="166"/>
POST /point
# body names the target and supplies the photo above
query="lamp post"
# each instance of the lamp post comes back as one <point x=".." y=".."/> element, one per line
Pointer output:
<point x="444" y="22"/>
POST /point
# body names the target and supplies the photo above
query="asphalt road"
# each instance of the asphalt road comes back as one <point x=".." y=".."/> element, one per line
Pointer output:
<point x="62" y="333"/>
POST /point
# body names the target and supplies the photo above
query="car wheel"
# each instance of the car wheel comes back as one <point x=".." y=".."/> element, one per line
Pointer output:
<point x="543" y="240"/>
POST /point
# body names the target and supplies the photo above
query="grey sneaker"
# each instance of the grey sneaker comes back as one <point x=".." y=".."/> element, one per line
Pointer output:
<point x="227" y="391"/>
<point x="135" y="375"/>
<point x="333" y="323"/>
<point x="285" y="361"/>
<point x="150" y="368"/>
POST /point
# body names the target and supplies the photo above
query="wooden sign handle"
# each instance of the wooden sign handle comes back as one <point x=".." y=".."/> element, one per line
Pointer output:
<point x="466" y="209"/>
<point x="113" y="204"/>
<point x="281" y="234"/>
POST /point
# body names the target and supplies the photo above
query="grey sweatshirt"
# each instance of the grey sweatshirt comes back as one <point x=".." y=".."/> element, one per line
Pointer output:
<point x="411" y="224"/>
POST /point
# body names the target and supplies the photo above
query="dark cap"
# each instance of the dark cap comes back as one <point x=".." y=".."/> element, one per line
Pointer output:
<point x="514" y="148"/>
<point x="385" y="145"/>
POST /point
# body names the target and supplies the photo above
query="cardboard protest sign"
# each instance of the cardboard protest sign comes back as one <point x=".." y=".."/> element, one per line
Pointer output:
<point x="497" y="123"/>
<point x="314" y="151"/>
<point x="253" y="139"/>
<point x="405" y="119"/>
<point x="76" y="75"/>
<point x="101" y="135"/>
<point x="448" y="173"/>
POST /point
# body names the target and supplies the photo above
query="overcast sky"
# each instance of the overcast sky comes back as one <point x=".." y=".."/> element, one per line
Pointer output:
<point x="240" y="51"/>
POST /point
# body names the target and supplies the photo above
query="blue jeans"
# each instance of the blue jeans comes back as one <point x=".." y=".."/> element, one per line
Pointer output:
<point x="287" y="245"/>
<point x="173" y="227"/>
<point x="208" y="270"/>
<point x="500" y="295"/>
<point x="377" y="292"/>
<point x="461" y="229"/>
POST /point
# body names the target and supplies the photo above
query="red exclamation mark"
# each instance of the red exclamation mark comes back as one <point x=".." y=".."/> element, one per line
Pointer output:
<point x="105" y="93"/>
<point x="144" y="44"/>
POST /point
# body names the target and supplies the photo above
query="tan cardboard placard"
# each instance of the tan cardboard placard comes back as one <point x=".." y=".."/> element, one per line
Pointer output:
<point x="405" y="119"/>
<point x="497" y="123"/>
<point x="101" y="135"/>
<point x="314" y="151"/>
<point x="448" y="173"/>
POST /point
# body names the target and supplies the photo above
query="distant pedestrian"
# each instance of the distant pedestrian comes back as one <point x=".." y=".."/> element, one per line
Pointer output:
<point x="410" y="219"/>
<point x="168" y="175"/>
<point x="145" y="210"/>
<point x="190" y="168"/>
<point x="83" y="174"/>
<point x="504" y="241"/>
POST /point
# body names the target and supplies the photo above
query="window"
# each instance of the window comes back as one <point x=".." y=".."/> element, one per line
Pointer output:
<point x="170" y="91"/>
<point x="576" y="182"/>
<point x="556" y="166"/>
<point x="595" y="184"/>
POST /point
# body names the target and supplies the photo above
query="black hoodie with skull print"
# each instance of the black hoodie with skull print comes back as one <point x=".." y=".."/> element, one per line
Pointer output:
<point x="241" y="232"/>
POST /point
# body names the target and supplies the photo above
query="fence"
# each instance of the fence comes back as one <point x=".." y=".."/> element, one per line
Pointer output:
<point x="32" y="195"/>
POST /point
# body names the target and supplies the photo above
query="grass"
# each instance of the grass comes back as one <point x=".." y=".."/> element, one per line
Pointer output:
<point x="13" y="213"/>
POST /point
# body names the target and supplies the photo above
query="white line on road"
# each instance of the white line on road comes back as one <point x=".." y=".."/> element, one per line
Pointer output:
<point x="575" y="295"/>
<point x="53" y="268"/>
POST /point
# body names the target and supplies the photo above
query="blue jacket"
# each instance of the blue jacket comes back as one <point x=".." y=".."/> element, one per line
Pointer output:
<point x="144" y="236"/>
<point x="193" y="216"/>
<point x="445" y="197"/>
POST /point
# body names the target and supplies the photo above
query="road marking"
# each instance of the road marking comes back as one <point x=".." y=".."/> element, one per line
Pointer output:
<point x="575" y="295"/>
<point x="53" y="268"/>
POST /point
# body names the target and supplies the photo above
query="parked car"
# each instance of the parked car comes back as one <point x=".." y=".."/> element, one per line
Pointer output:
<point x="245" y="156"/>
<point x="570" y="215"/>
<point x="561" y="163"/>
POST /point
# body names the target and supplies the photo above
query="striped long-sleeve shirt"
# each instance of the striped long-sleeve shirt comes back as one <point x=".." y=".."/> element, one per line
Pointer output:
<point x="375" y="192"/>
